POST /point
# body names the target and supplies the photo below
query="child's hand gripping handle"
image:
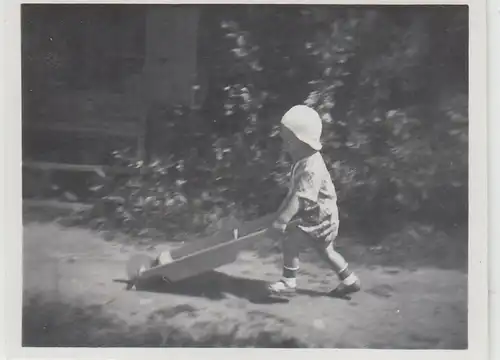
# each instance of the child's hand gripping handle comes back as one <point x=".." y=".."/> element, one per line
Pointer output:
<point x="278" y="230"/>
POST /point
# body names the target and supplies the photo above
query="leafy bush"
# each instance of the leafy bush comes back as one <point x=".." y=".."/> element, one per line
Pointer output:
<point x="189" y="190"/>
<point x="389" y="82"/>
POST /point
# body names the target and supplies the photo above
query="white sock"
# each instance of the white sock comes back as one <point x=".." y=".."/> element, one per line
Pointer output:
<point x="351" y="279"/>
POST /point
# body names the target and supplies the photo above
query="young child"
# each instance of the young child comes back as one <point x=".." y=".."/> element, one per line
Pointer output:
<point x="312" y="199"/>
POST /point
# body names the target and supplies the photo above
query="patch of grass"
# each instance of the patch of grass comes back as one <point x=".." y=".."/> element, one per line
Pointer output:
<point x="49" y="323"/>
<point x="172" y="311"/>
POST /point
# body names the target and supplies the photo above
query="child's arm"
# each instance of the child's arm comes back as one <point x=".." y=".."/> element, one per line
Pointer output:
<point x="283" y="203"/>
<point x="288" y="209"/>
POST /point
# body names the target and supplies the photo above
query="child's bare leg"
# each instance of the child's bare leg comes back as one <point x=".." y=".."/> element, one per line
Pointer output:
<point x="290" y="257"/>
<point x="350" y="282"/>
<point x="332" y="257"/>
<point x="288" y="280"/>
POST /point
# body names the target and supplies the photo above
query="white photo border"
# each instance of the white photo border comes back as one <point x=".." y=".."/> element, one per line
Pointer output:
<point x="478" y="202"/>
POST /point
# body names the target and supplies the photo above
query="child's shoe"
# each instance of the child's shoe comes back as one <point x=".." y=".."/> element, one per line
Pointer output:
<point x="282" y="287"/>
<point x="343" y="290"/>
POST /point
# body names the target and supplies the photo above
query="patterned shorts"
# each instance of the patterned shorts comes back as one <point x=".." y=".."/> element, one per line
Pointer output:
<point x="312" y="217"/>
<point x="318" y="234"/>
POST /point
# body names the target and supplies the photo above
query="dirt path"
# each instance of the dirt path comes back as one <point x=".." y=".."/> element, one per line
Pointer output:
<point x="71" y="298"/>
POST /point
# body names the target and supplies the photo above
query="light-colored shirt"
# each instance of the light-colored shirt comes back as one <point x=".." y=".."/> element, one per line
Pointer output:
<point x="312" y="184"/>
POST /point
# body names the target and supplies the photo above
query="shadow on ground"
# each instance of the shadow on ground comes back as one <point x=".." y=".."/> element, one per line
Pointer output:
<point x="48" y="323"/>
<point x="216" y="285"/>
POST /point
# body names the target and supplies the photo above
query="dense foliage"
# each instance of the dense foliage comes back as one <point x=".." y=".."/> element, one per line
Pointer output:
<point x="391" y="84"/>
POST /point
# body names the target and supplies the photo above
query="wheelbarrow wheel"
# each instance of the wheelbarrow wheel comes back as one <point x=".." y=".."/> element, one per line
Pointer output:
<point x="136" y="265"/>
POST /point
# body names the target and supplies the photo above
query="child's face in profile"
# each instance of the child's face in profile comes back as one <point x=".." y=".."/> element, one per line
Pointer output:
<point x="289" y="140"/>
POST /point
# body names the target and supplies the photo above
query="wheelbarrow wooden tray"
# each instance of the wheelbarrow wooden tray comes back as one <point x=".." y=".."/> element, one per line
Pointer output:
<point x="202" y="255"/>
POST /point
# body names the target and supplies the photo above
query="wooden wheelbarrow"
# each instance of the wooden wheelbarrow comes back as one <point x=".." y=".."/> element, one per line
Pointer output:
<point x="199" y="255"/>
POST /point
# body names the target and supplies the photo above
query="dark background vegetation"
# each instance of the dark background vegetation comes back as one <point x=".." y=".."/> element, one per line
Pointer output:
<point x="390" y="82"/>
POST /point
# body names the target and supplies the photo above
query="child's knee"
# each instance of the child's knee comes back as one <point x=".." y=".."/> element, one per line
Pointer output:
<point x="327" y="249"/>
<point x="288" y="242"/>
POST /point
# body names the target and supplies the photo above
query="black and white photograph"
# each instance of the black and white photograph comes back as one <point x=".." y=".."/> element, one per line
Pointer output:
<point x="246" y="176"/>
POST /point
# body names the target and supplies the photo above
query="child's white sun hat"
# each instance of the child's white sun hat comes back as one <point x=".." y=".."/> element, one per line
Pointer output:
<point x="305" y="123"/>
